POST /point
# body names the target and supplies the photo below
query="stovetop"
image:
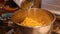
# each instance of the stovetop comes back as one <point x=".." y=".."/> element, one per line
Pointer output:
<point x="56" y="26"/>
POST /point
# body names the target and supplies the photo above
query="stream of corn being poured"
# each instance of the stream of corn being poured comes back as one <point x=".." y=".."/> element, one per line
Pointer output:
<point x="36" y="17"/>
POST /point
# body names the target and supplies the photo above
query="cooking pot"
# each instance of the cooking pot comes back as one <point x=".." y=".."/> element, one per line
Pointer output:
<point x="19" y="16"/>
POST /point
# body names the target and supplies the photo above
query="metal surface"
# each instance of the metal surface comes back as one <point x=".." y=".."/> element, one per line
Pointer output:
<point x="37" y="29"/>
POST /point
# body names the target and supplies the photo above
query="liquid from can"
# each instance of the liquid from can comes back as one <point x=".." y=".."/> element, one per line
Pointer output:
<point x="36" y="17"/>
